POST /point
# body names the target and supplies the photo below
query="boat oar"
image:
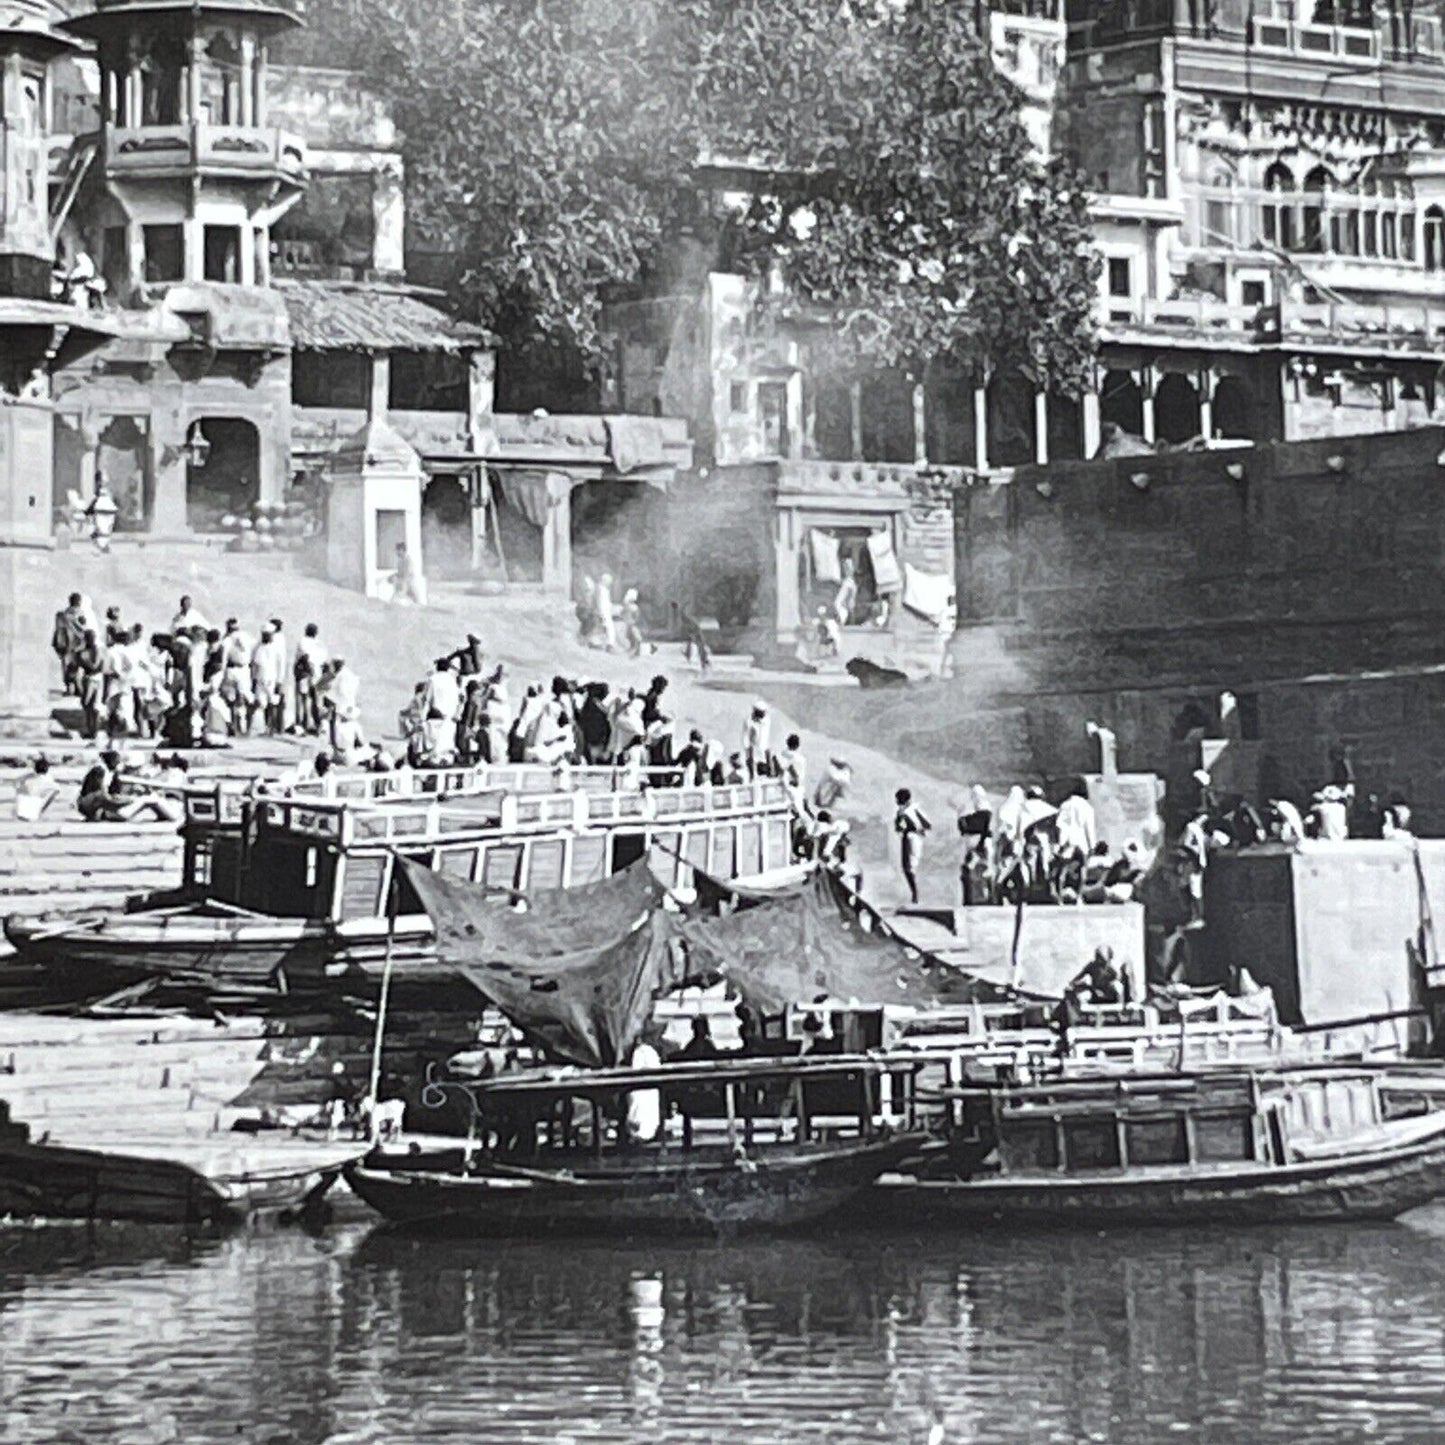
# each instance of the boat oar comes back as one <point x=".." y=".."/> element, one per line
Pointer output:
<point x="393" y="899"/>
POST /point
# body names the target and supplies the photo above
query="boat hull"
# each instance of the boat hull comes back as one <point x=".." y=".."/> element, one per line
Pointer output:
<point x="1381" y="1184"/>
<point x="764" y="1193"/>
<point x="44" y="1181"/>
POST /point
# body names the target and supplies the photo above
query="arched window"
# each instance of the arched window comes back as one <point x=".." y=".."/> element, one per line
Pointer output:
<point x="1219" y="208"/>
<point x="1434" y="239"/>
<point x="1369" y="215"/>
<point x="1278" y="213"/>
<point x="1318" y="183"/>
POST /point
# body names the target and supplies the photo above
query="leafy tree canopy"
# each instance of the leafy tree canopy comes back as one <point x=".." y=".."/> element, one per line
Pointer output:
<point x="552" y="147"/>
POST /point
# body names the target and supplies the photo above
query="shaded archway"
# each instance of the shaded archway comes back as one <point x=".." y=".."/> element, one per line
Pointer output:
<point x="1122" y="402"/>
<point x="1010" y="421"/>
<point x="446" y="527"/>
<point x="1176" y="409"/>
<point x="1065" y="429"/>
<point x="121" y="458"/>
<point x="1278" y="215"/>
<point x="1233" y="409"/>
<point x="227" y="481"/>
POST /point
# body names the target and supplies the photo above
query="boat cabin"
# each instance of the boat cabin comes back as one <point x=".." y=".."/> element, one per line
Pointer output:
<point x="707" y="1104"/>
<point x="335" y="859"/>
<point x="1199" y="1121"/>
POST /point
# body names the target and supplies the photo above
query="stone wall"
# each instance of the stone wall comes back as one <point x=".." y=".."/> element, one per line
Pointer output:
<point x="1306" y="578"/>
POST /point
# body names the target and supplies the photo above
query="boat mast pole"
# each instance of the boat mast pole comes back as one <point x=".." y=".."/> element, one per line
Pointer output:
<point x="393" y="894"/>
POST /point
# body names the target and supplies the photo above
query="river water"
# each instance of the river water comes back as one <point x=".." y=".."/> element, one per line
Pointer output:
<point x="1303" y="1335"/>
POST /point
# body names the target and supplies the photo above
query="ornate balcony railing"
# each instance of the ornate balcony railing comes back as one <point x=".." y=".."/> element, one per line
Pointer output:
<point x="145" y="148"/>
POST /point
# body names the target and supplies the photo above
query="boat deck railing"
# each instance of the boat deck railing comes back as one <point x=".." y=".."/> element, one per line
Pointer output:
<point x="344" y="824"/>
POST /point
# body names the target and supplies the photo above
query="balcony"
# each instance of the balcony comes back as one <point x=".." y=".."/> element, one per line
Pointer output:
<point x="24" y="198"/>
<point x="1404" y="329"/>
<point x="261" y="151"/>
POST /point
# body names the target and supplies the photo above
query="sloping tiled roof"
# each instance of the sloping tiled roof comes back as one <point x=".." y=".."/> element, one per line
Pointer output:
<point x="371" y="316"/>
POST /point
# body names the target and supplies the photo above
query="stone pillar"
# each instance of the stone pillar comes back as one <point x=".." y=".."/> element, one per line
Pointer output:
<point x="194" y="234"/>
<point x="378" y="398"/>
<point x="855" y="418"/>
<point x="481" y="391"/>
<point x="27" y="445"/>
<point x="1041" y="428"/>
<point x="920" y="426"/>
<point x="196" y="54"/>
<point x="788" y="604"/>
<point x="1206" y="382"/>
<point x="258" y="101"/>
<point x="980" y="428"/>
<point x="170" y="429"/>
<point x="557" y="540"/>
<point x="1146" y="392"/>
<point x="1089" y="415"/>
<point x="248" y="81"/>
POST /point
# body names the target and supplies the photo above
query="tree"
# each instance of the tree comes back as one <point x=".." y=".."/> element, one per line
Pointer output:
<point x="552" y="145"/>
<point x="547" y="144"/>
<point x="904" y="201"/>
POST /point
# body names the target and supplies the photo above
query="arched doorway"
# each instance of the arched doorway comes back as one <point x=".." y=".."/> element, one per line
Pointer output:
<point x="121" y="459"/>
<point x="1176" y="409"/>
<point x="1233" y="409"/>
<point x="446" y="527"/>
<point x="227" y="481"/>
<point x="1122" y="403"/>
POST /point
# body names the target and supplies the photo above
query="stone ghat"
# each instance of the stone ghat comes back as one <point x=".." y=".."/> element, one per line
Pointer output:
<point x="50" y="865"/>
<point x="126" y="1082"/>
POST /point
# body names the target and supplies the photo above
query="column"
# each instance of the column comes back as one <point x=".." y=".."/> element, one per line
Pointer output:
<point x="980" y="428"/>
<point x="1206" y="382"/>
<point x="1146" y="393"/>
<point x="258" y="100"/>
<point x="855" y="418"/>
<point x="788" y="614"/>
<point x="378" y="396"/>
<point x="920" y="427"/>
<point x="248" y="81"/>
<point x="1041" y="428"/>
<point x="557" y="540"/>
<point x="1089" y="418"/>
<point x="194" y="233"/>
<point x="197" y="53"/>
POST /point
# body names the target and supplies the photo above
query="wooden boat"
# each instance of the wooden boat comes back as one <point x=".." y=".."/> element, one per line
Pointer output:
<point x="744" y="1144"/>
<point x="295" y="895"/>
<point x="54" y="1181"/>
<point x="1209" y="1148"/>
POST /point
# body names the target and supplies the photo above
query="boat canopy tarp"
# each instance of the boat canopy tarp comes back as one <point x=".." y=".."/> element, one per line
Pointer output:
<point x="576" y="969"/>
<point x="725" y="895"/>
<point x="813" y="943"/>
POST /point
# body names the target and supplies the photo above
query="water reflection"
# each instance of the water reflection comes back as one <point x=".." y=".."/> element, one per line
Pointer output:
<point x="1301" y="1335"/>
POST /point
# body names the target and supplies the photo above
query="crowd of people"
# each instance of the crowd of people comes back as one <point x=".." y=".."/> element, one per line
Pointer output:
<point x="1025" y="850"/>
<point x="196" y="685"/>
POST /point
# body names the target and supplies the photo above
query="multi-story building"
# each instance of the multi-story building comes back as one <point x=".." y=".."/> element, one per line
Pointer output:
<point x="1270" y="204"/>
<point x="38" y="334"/>
<point x="235" y="216"/>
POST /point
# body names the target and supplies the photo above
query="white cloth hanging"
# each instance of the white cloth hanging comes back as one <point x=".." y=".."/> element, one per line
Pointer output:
<point x="886" y="576"/>
<point x="926" y="593"/>
<point x="826" y="567"/>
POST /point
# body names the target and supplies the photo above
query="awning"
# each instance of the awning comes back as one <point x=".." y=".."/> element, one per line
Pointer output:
<point x="813" y="944"/>
<point x="577" y="971"/>
<point x="372" y="317"/>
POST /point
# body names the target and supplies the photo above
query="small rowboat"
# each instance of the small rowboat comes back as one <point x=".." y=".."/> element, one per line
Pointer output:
<point x="740" y="1145"/>
<point x="167" y="1184"/>
<point x="1260" y="1146"/>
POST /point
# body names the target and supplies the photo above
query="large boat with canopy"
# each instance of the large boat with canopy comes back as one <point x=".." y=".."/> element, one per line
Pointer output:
<point x="713" y="1146"/>
<point x="307" y="893"/>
